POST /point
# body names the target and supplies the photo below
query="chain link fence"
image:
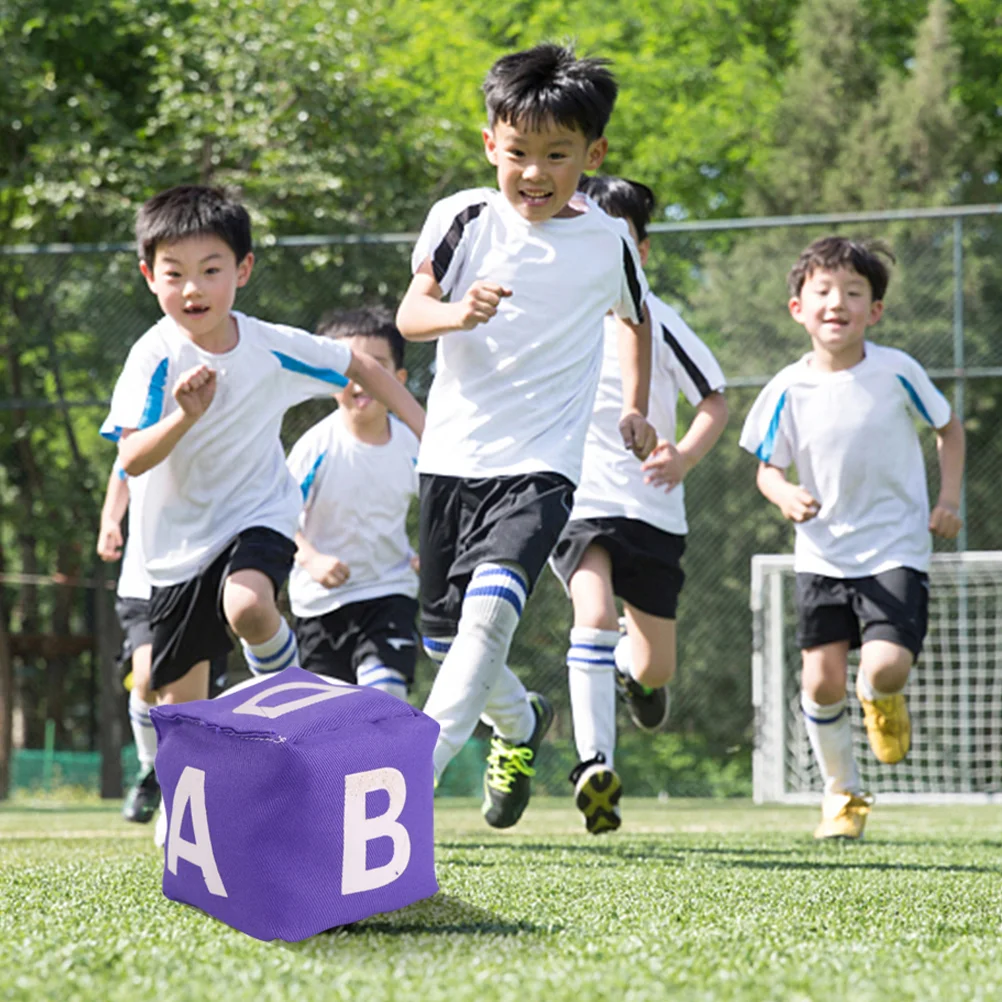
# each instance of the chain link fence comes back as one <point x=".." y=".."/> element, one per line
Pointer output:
<point x="68" y="315"/>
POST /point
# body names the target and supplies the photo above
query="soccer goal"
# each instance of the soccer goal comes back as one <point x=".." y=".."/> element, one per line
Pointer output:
<point x="954" y="692"/>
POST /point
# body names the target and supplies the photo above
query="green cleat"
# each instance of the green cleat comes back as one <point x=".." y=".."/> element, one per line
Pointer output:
<point x="144" y="798"/>
<point x="597" y="789"/>
<point x="510" y="769"/>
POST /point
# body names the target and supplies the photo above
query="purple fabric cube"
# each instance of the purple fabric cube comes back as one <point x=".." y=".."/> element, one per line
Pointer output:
<point x="296" y="804"/>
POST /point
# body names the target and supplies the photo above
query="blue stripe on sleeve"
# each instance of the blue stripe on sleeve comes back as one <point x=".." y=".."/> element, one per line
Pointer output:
<point x="915" y="398"/>
<point x="331" y="376"/>
<point x="154" y="408"/>
<point x="768" y="446"/>
<point x="312" y="475"/>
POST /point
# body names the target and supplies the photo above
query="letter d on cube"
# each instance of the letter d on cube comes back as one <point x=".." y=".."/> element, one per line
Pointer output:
<point x="297" y="804"/>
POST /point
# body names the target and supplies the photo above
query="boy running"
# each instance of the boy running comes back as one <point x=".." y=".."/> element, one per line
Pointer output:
<point x="353" y="588"/>
<point x="844" y="415"/>
<point x="626" y="533"/>
<point x="515" y="283"/>
<point x="198" y="408"/>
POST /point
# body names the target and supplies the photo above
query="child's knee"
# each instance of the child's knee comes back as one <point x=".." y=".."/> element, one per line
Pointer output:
<point x="249" y="605"/>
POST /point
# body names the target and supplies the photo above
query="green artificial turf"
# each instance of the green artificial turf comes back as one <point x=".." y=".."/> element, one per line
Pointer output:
<point x="715" y="900"/>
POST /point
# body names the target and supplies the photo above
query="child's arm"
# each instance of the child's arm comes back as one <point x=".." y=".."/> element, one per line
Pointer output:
<point x="792" y="500"/>
<point x="634" y="347"/>
<point x="323" y="568"/>
<point x="378" y="383"/>
<point x="668" y="465"/>
<point x="116" y="502"/>
<point x="141" y="450"/>
<point x="423" y="316"/>
<point x="944" y="519"/>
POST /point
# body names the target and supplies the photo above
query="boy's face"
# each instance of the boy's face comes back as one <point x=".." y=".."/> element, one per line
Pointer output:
<point x="195" y="281"/>
<point x="353" y="398"/>
<point x="836" y="307"/>
<point x="538" y="169"/>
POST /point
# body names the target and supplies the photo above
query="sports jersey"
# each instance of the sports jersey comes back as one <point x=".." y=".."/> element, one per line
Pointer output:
<point x="355" y="500"/>
<point x="133" y="581"/>
<point x="514" y="395"/>
<point x="612" y="481"/>
<point x="851" y="434"/>
<point x="227" y="472"/>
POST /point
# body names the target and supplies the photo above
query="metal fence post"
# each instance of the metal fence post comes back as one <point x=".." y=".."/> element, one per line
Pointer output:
<point x="110" y="716"/>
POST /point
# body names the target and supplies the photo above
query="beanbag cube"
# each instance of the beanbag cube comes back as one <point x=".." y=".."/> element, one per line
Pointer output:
<point x="296" y="804"/>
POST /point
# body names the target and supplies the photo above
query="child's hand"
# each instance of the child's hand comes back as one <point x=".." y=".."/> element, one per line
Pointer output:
<point x="797" y="504"/>
<point x="666" y="467"/>
<point x="195" y="389"/>
<point x="945" y="521"/>
<point x="480" y="304"/>
<point x="638" y="434"/>
<point x="415" y="563"/>
<point x="109" y="541"/>
<point x="328" y="571"/>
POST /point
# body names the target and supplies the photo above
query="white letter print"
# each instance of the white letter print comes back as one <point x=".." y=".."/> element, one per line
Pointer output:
<point x="191" y="790"/>
<point x="360" y="830"/>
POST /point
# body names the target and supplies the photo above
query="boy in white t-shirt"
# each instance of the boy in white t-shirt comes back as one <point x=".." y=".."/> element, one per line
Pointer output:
<point x="353" y="588"/>
<point x="626" y="533"/>
<point x="529" y="271"/>
<point x="844" y="415"/>
<point x="198" y="409"/>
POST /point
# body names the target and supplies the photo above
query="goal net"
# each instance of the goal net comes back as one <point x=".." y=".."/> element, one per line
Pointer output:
<point x="954" y="691"/>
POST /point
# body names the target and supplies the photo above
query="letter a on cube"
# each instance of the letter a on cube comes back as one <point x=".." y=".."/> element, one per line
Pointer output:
<point x="296" y="804"/>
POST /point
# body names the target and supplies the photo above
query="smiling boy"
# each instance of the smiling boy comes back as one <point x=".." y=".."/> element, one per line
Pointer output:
<point x="198" y="408"/>
<point x="844" y="415"/>
<point x="353" y="589"/>
<point x="514" y="283"/>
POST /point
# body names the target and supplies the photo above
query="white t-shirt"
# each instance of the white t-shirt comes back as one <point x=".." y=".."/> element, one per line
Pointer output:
<point x="515" y="395"/>
<point x="355" y="500"/>
<point x="852" y="437"/>
<point x="133" y="581"/>
<point x="612" y="482"/>
<point x="228" y="472"/>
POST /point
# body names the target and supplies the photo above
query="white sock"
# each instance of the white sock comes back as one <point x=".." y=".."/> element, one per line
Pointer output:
<point x="492" y="606"/>
<point x="591" y="676"/>
<point x="142" y="730"/>
<point x="869" y="692"/>
<point x="830" y="734"/>
<point x="508" y="711"/>
<point x="374" y="674"/>
<point x="273" y="655"/>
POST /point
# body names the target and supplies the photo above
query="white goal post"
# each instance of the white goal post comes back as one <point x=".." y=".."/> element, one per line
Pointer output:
<point x="954" y="692"/>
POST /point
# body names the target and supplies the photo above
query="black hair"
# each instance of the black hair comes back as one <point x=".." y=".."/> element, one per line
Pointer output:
<point x="548" y="83"/>
<point x="864" y="257"/>
<point x="618" y="196"/>
<point x="368" y="321"/>
<point x="192" y="210"/>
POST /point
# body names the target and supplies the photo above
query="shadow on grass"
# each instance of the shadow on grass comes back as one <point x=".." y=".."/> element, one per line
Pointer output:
<point x="437" y="915"/>
<point x="819" y="856"/>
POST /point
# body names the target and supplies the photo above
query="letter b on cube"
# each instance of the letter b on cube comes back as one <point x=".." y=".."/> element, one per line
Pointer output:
<point x="297" y="804"/>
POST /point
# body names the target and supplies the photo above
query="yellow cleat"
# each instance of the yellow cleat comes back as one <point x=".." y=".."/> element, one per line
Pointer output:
<point x="843" y="815"/>
<point x="888" y="725"/>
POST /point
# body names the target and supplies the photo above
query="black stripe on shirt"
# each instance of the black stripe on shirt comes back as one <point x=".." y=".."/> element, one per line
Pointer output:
<point x="699" y="380"/>
<point x="444" y="252"/>
<point x="633" y="282"/>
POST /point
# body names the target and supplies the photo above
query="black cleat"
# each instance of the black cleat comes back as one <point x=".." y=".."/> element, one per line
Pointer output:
<point x="143" y="799"/>
<point x="510" y="770"/>
<point x="597" y="790"/>
<point x="648" y="707"/>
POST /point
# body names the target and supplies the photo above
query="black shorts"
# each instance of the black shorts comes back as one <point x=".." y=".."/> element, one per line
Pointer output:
<point x="134" y="618"/>
<point x="187" y="619"/>
<point x="338" y="642"/>
<point x="645" y="560"/>
<point x="465" y="523"/>
<point x="891" y="606"/>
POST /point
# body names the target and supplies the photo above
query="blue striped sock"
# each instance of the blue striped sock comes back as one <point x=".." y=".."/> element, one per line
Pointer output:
<point x="273" y="655"/>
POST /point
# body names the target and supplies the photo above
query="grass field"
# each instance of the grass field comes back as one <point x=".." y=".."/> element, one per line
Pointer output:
<point x="690" y="900"/>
